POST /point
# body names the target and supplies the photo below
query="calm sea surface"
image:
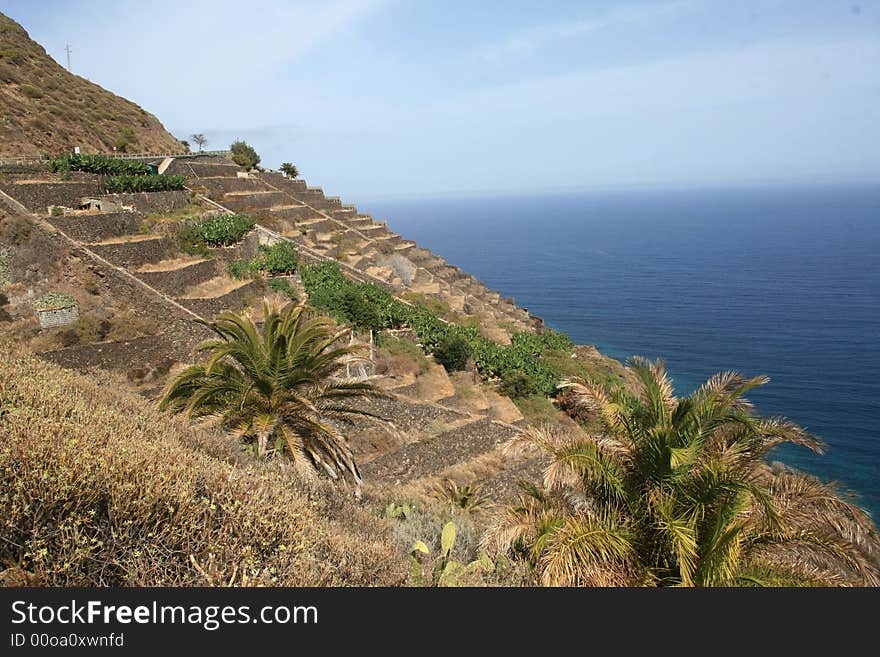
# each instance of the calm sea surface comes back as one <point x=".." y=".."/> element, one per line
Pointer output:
<point x="784" y="282"/>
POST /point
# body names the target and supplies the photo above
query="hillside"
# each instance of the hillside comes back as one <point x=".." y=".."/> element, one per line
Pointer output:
<point x="46" y="109"/>
<point x="163" y="502"/>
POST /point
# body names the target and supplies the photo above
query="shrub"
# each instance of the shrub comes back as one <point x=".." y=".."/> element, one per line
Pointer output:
<point x="126" y="139"/>
<point x="31" y="91"/>
<point x="359" y="310"/>
<point x="453" y="352"/>
<point x="283" y="286"/>
<point x="403" y="268"/>
<point x="241" y="269"/>
<point x="222" y="230"/>
<point x="244" y="155"/>
<point x="5" y="267"/>
<point x="16" y="230"/>
<point x="277" y="259"/>
<point x="12" y="56"/>
<point x="399" y="355"/>
<point x="517" y="385"/>
<point x="126" y="184"/>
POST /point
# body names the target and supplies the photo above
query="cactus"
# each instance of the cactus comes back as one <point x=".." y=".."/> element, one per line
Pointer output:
<point x="403" y="511"/>
<point x="445" y="571"/>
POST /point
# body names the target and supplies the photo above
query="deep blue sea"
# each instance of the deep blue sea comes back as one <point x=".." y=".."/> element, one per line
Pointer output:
<point x="784" y="282"/>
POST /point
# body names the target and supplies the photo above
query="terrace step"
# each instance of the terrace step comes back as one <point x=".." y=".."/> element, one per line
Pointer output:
<point x="257" y="200"/>
<point x="135" y="250"/>
<point x="206" y="169"/>
<point x="90" y="228"/>
<point x="296" y="213"/>
<point x="402" y="420"/>
<point x="142" y="360"/>
<point x="226" y="185"/>
<point x="175" y="276"/>
<point x="218" y="294"/>
<point x="433" y="455"/>
<point x="37" y="196"/>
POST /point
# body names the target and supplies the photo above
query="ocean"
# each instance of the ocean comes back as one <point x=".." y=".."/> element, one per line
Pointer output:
<point x="776" y="281"/>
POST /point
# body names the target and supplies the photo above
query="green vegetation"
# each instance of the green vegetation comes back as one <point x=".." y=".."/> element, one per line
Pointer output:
<point x="221" y="230"/>
<point x="126" y="140"/>
<point x="30" y="91"/>
<point x="464" y="497"/>
<point x="443" y="570"/>
<point x="244" y="155"/>
<point x="54" y="301"/>
<point x="366" y="305"/>
<point x="675" y="492"/>
<point x="100" y="489"/>
<point x="517" y="385"/>
<point x="283" y="286"/>
<point x="452" y="352"/>
<point x="276" y="260"/>
<point x="99" y="164"/>
<point x="124" y="184"/>
<point x="5" y="267"/>
<point x="272" y="387"/>
<point x="289" y="170"/>
<point x="12" y="56"/>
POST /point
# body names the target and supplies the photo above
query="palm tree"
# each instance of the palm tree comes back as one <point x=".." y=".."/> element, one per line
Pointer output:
<point x="276" y="386"/>
<point x="674" y="491"/>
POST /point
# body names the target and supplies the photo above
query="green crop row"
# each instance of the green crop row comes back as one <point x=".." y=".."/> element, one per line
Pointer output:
<point x="276" y="260"/>
<point x="129" y="183"/>
<point x="369" y="306"/>
<point x="222" y="230"/>
<point x="100" y="164"/>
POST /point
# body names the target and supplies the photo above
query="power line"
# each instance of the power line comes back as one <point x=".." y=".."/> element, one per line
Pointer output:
<point x="67" y="49"/>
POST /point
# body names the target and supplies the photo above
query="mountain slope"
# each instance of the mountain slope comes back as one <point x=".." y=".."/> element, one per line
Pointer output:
<point x="45" y="109"/>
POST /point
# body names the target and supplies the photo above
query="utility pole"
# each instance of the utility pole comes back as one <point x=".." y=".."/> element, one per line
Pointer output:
<point x="67" y="49"/>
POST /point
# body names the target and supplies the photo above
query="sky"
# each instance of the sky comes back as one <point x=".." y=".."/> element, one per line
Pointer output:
<point x="389" y="99"/>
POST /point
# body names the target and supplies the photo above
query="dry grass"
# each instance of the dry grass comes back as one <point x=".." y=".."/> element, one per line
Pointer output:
<point x="48" y="110"/>
<point x="98" y="489"/>
<point x="399" y="357"/>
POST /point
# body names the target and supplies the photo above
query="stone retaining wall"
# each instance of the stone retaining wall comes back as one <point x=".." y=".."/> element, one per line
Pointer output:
<point x="225" y="185"/>
<point x="148" y="202"/>
<point x="136" y="254"/>
<point x="58" y="316"/>
<point x="37" y="197"/>
<point x="130" y="357"/>
<point x="175" y="281"/>
<point x="234" y="300"/>
<point x="96" y="227"/>
<point x="253" y="202"/>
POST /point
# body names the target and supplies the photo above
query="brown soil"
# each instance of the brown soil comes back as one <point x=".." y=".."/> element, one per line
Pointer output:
<point x="213" y="288"/>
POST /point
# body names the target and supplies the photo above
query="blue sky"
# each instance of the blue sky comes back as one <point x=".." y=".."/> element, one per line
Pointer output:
<point x="385" y="99"/>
